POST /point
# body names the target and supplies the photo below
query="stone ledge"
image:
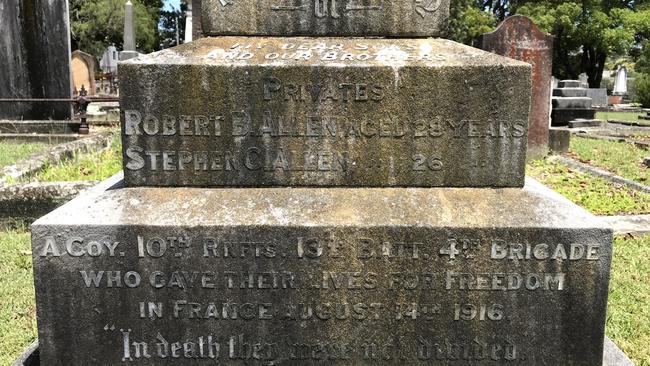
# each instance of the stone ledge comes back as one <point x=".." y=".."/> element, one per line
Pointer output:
<point x="53" y="155"/>
<point x="535" y="206"/>
<point x="33" y="200"/>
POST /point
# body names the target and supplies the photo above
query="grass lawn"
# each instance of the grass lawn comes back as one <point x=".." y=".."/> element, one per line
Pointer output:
<point x="621" y="116"/>
<point x="17" y="309"/>
<point x="594" y="194"/>
<point x="85" y="167"/>
<point x="628" y="313"/>
<point x="619" y="158"/>
<point x="11" y="153"/>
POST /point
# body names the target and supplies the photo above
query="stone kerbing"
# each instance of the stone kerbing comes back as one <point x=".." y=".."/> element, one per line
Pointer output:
<point x="53" y="155"/>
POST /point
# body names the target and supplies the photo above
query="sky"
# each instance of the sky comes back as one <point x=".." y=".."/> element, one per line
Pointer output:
<point x="176" y="4"/>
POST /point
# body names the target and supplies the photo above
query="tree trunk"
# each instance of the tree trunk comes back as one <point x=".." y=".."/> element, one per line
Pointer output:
<point x="593" y="63"/>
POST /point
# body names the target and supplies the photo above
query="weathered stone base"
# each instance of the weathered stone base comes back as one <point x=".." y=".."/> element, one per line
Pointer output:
<point x="559" y="139"/>
<point x="562" y="117"/>
<point x="582" y="123"/>
<point x="289" y="276"/>
<point x="570" y="92"/>
<point x="572" y="102"/>
<point x="569" y="84"/>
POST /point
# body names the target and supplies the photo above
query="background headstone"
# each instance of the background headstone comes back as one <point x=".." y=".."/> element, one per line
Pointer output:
<point x="109" y="60"/>
<point x="35" y="58"/>
<point x="519" y="38"/>
<point x="584" y="80"/>
<point x="83" y="72"/>
<point x="620" y="83"/>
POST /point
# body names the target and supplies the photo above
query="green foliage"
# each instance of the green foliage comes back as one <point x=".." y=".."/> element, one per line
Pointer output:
<point x="168" y="24"/>
<point x="619" y="116"/>
<point x="643" y="62"/>
<point x="468" y="22"/>
<point x="95" y="24"/>
<point x="587" y="32"/>
<point x="643" y="89"/>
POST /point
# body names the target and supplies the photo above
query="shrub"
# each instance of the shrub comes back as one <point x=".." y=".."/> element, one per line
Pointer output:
<point x="643" y="89"/>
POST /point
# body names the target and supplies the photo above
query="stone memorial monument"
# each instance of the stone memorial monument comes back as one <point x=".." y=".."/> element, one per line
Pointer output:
<point x="572" y="106"/>
<point x="129" y="51"/>
<point x="322" y="201"/>
<point x="519" y="38"/>
<point x="620" y="83"/>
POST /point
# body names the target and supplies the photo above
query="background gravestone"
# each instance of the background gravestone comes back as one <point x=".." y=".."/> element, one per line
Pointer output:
<point x="519" y="38"/>
<point x="84" y="67"/>
<point x="35" y="58"/>
<point x="620" y="84"/>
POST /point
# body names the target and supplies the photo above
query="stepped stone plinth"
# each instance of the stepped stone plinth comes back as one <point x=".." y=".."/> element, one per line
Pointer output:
<point x="322" y="200"/>
<point x="572" y="106"/>
<point x="288" y="276"/>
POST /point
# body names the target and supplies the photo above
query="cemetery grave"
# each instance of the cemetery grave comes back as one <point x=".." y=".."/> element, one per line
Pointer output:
<point x="305" y="198"/>
<point x="37" y="178"/>
<point x="623" y="159"/>
<point x="572" y="106"/>
<point x="310" y="224"/>
<point x="595" y="194"/>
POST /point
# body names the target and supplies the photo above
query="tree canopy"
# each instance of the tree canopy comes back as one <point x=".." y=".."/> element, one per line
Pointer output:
<point x="95" y="24"/>
<point x="586" y="32"/>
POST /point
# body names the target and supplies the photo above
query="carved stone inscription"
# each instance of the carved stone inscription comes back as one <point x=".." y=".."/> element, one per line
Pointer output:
<point x="235" y="122"/>
<point x="273" y="297"/>
<point x="326" y="17"/>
